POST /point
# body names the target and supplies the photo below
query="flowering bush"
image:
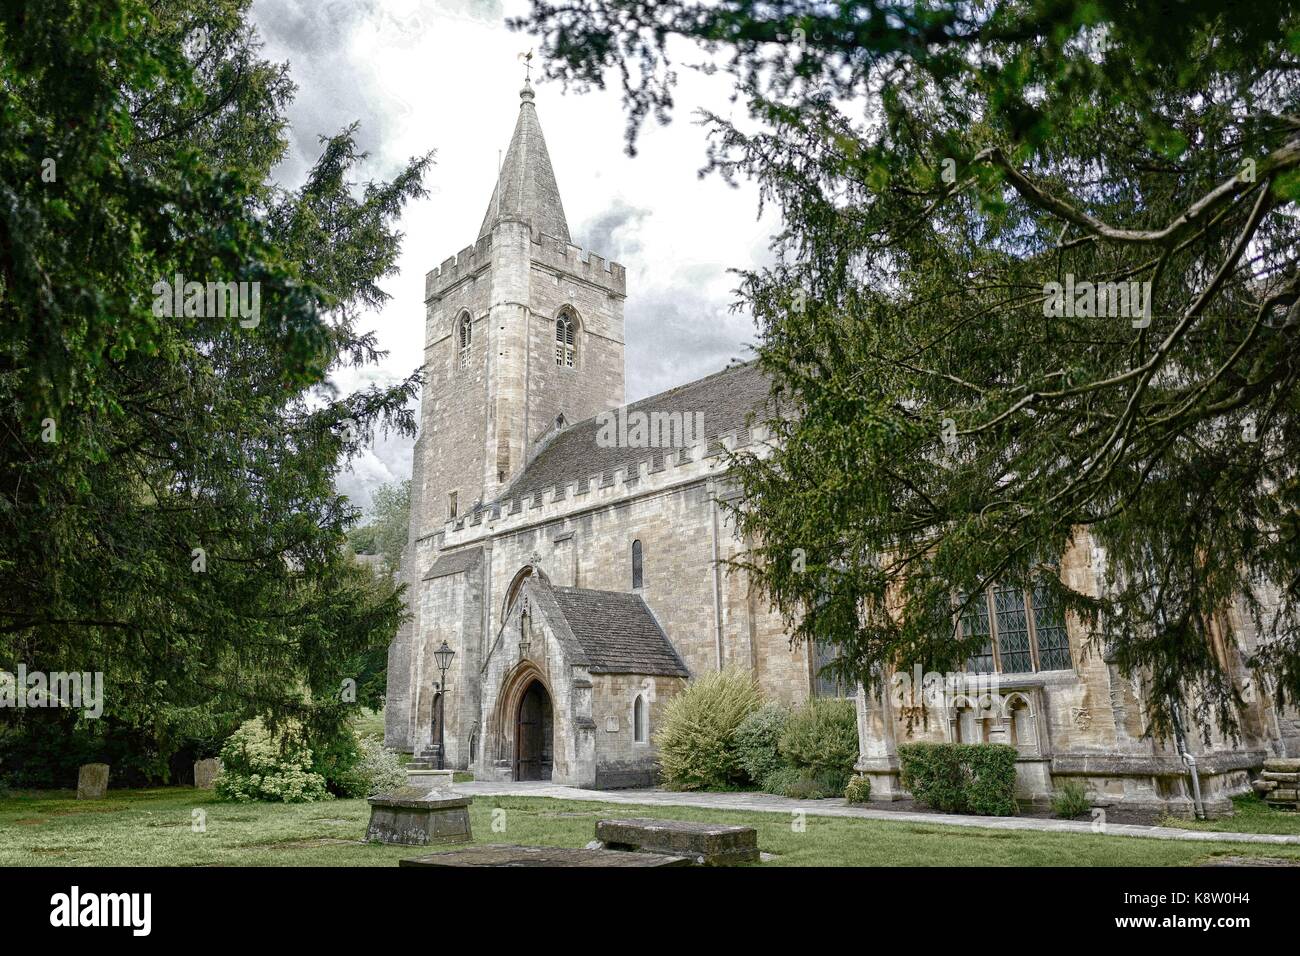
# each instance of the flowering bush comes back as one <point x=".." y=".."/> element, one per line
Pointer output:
<point x="259" y="765"/>
<point x="379" y="768"/>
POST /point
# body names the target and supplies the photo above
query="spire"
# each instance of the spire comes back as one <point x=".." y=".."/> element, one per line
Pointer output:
<point x="526" y="187"/>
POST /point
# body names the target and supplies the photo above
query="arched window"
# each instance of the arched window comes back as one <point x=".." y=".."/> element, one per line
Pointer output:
<point x="465" y="333"/>
<point x="564" y="348"/>
<point x="636" y="564"/>
<point x="639" y="721"/>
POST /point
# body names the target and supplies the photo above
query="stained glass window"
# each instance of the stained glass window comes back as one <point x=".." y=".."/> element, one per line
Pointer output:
<point x="1049" y="627"/>
<point x="1024" y="633"/>
<point x="1013" y="630"/>
<point x="826" y="684"/>
<point x="975" y="623"/>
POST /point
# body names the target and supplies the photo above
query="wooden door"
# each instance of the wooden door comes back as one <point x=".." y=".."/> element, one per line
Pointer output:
<point x="528" y="734"/>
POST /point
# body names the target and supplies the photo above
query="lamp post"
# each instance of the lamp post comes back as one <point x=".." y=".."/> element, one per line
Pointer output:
<point x="443" y="656"/>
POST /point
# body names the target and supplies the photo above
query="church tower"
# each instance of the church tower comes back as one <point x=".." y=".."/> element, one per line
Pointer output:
<point x="523" y="332"/>
<point x="521" y="328"/>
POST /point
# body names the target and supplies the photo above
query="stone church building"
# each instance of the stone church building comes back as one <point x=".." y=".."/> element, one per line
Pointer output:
<point x="575" y="560"/>
<point x="576" y="571"/>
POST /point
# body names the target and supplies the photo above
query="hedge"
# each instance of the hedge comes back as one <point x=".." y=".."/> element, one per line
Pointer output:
<point x="961" y="778"/>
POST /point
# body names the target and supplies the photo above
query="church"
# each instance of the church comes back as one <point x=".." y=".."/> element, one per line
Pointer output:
<point x="572" y="555"/>
<point x="571" y="551"/>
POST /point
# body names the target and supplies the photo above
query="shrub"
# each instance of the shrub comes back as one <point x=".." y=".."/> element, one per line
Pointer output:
<point x="858" y="790"/>
<point x="806" y="788"/>
<point x="1071" y="800"/>
<point x="336" y="759"/>
<point x="781" y="780"/>
<point x="992" y="789"/>
<point x="821" y="738"/>
<point x="380" y="768"/>
<point x="757" y="739"/>
<point x="259" y="765"/>
<point x="961" y="778"/>
<point x="697" y="736"/>
<point x="935" y="775"/>
<point x="801" y="785"/>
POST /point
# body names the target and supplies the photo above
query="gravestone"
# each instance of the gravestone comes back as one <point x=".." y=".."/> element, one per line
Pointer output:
<point x="409" y="816"/>
<point x="705" y="844"/>
<point x="499" y="854"/>
<point x="205" y="772"/>
<point x="92" y="781"/>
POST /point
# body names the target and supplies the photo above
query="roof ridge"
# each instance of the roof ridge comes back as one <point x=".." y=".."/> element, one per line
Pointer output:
<point x="668" y="391"/>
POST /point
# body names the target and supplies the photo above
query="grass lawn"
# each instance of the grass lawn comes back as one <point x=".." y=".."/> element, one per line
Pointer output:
<point x="142" y="827"/>
<point x="1252" y="815"/>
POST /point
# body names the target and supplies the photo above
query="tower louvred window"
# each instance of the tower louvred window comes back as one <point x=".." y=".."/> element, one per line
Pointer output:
<point x="564" y="348"/>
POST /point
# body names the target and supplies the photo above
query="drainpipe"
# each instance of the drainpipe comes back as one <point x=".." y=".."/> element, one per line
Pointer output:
<point x="1181" y="739"/>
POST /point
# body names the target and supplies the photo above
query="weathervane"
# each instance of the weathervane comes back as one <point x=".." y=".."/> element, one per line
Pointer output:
<point x="528" y="65"/>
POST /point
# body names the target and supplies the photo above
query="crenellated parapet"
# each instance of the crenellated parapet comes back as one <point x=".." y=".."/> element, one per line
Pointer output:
<point x="548" y="252"/>
<point x="659" y="470"/>
<point x="569" y="260"/>
<point x="470" y="261"/>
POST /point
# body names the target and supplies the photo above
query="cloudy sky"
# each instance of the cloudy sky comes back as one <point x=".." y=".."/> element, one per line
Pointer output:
<point x="445" y="75"/>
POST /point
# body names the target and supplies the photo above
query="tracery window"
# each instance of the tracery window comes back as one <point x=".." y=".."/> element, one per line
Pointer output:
<point x="1025" y="631"/>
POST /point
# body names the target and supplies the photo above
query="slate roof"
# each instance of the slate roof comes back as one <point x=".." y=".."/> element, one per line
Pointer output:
<point x="455" y="562"/>
<point x="726" y="399"/>
<point x="526" y="188"/>
<point x="618" y="633"/>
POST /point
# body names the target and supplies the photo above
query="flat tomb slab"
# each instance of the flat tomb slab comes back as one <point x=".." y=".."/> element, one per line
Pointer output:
<point x="706" y="844"/>
<point x="410" y="818"/>
<point x="504" y="854"/>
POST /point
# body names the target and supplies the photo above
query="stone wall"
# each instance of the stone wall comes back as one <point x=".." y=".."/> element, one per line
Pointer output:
<point x="593" y="549"/>
<point x="621" y="760"/>
<point x="1088" y="726"/>
<point x="450" y="609"/>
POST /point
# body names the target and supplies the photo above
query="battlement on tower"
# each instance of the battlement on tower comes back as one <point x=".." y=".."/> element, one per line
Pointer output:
<point x="547" y="251"/>
<point x="571" y="260"/>
<point x="467" y="262"/>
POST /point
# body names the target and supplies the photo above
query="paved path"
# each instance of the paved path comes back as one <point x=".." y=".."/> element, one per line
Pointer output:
<point x="767" y="803"/>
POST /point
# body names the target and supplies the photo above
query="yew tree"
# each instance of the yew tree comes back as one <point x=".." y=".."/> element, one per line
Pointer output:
<point x="168" y="514"/>
<point x="1036" y="276"/>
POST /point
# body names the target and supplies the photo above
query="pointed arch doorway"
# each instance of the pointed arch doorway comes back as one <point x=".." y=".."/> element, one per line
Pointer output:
<point x="534" y="729"/>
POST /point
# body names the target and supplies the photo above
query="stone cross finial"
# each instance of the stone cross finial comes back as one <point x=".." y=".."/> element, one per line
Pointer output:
<point x="534" y="559"/>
